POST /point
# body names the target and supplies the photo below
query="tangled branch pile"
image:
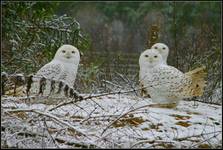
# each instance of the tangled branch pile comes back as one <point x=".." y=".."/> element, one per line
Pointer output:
<point x="118" y="119"/>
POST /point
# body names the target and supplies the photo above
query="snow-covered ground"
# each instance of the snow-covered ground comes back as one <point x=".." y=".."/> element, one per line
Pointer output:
<point x="102" y="124"/>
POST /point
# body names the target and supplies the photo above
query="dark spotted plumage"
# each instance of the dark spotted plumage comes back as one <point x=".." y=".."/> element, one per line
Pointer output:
<point x="166" y="84"/>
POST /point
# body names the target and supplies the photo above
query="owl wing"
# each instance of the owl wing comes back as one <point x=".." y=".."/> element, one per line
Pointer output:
<point x="50" y="71"/>
<point x="169" y="80"/>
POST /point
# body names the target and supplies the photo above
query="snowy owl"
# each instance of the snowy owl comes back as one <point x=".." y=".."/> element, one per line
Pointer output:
<point x="163" y="50"/>
<point x="167" y="84"/>
<point x="63" y="67"/>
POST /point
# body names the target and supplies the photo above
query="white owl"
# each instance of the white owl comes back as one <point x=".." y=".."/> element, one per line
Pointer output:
<point x="63" y="67"/>
<point x="167" y="84"/>
<point x="163" y="50"/>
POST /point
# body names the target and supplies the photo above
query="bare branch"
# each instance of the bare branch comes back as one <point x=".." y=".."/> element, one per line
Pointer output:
<point x="51" y="116"/>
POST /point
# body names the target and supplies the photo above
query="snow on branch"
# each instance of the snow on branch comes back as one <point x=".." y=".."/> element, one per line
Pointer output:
<point x="115" y="119"/>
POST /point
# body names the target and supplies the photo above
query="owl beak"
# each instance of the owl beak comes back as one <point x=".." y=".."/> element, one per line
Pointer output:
<point x="68" y="56"/>
<point x="150" y="60"/>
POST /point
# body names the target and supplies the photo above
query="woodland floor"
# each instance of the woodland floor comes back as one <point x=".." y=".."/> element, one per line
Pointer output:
<point x="111" y="121"/>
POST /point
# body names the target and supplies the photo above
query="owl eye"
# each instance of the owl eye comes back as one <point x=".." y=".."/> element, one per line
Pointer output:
<point x="164" y="48"/>
<point x="63" y="51"/>
<point x="73" y="52"/>
<point x="146" y="56"/>
<point x="155" y="56"/>
<point x="156" y="47"/>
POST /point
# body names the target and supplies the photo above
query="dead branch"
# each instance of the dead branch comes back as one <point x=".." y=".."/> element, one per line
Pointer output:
<point x="76" y="143"/>
<point x="103" y="116"/>
<point x="109" y="82"/>
<point x="123" y="115"/>
<point x="50" y="116"/>
<point x="47" y="128"/>
<point x="127" y="81"/>
<point x="149" y="141"/>
<point x="206" y="140"/>
<point x="198" y="135"/>
<point x="93" y="96"/>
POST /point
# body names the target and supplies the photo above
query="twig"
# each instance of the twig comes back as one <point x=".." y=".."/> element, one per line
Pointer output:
<point x="205" y="140"/>
<point x="48" y="115"/>
<point x="77" y="144"/>
<point x="93" y="96"/>
<point x="54" y="141"/>
<point x="211" y="103"/>
<point x="198" y="135"/>
<point x="125" y="115"/>
<point x="97" y="104"/>
<point x="149" y="141"/>
<point x="94" y="117"/>
<point x="127" y="81"/>
<point x="109" y="82"/>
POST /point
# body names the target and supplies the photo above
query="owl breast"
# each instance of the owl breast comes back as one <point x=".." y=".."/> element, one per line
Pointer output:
<point x="70" y="71"/>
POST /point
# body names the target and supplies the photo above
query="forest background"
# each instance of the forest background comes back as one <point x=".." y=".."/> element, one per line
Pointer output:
<point x="111" y="36"/>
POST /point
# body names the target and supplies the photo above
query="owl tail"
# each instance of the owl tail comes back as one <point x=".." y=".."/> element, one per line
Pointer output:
<point x="197" y="77"/>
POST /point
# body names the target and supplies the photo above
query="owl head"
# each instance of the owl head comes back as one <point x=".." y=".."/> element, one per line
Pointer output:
<point x="163" y="50"/>
<point x="150" y="58"/>
<point x="68" y="53"/>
